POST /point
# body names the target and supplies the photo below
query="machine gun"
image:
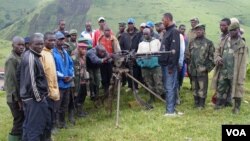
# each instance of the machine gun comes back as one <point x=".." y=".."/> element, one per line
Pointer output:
<point x="123" y="64"/>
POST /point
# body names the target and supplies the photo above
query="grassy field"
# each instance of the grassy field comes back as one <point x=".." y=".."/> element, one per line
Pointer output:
<point x="137" y="124"/>
<point x="5" y="47"/>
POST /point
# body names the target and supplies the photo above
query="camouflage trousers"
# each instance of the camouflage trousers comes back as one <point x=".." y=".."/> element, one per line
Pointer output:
<point x="224" y="88"/>
<point x="200" y="85"/>
<point x="153" y="79"/>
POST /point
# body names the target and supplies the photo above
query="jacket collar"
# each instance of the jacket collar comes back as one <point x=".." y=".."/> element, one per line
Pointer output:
<point x="35" y="53"/>
<point x="170" y="27"/>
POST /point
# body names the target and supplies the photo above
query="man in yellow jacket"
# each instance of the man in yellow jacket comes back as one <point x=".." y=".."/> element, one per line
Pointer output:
<point x="49" y="67"/>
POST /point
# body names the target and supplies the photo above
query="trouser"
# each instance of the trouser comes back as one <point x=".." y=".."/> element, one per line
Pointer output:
<point x="200" y="85"/>
<point x="153" y="79"/>
<point x="82" y="93"/>
<point x="181" y="74"/>
<point x="106" y="74"/>
<point x="137" y="74"/>
<point x="94" y="74"/>
<point x="62" y="105"/>
<point x="37" y="118"/>
<point x="170" y="85"/>
<point x="18" y="118"/>
<point x="224" y="89"/>
<point x="72" y="99"/>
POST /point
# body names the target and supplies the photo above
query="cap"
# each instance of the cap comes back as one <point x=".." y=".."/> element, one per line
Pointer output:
<point x="203" y="26"/>
<point x="131" y="20"/>
<point x="194" y="19"/>
<point x="149" y="24"/>
<point x="143" y="25"/>
<point x="101" y="19"/>
<point x="233" y="26"/>
<point x="27" y="40"/>
<point x="73" y="31"/>
<point x="82" y="45"/>
<point x="122" y="23"/>
<point x="59" y="35"/>
<point x="234" y="20"/>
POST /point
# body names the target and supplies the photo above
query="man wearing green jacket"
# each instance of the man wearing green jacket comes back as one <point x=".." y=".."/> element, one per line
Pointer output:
<point x="12" y="88"/>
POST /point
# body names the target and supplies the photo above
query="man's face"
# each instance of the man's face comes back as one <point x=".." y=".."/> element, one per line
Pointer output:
<point x="223" y="27"/>
<point x="142" y="28"/>
<point x="73" y="37"/>
<point x="146" y="35"/>
<point x="88" y="27"/>
<point x="18" y="46"/>
<point x="165" y="21"/>
<point x="37" y="45"/>
<point x="234" y="33"/>
<point x="131" y="26"/>
<point x="157" y="28"/>
<point x="199" y="32"/>
<point x="60" y="42"/>
<point x="122" y="28"/>
<point x="50" y="42"/>
<point x="62" y="25"/>
<point x="107" y="32"/>
<point x="102" y="24"/>
<point x="82" y="51"/>
<point x="182" y="29"/>
<point x="193" y="23"/>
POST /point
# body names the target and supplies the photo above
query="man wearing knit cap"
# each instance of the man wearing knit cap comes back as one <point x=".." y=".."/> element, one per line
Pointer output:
<point x="230" y="72"/>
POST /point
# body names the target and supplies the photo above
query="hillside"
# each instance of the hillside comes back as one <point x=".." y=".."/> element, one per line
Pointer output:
<point x="45" y="16"/>
<point x="13" y="10"/>
<point x="76" y="12"/>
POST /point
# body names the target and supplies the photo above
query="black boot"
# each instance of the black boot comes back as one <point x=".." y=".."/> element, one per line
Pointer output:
<point x="62" y="122"/>
<point x="237" y="103"/>
<point x="71" y="117"/>
<point x="80" y="112"/>
<point x="201" y="103"/>
<point x="196" y="101"/>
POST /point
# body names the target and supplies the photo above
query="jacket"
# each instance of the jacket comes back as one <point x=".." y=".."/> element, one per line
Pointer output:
<point x="10" y="80"/>
<point x="240" y="64"/>
<point x="64" y="67"/>
<point x="130" y="41"/>
<point x="49" y="67"/>
<point x="93" y="60"/>
<point x="115" y="47"/>
<point x="170" y="41"/>
<point x="33" y="82"/>
<point x="81" y="74"/>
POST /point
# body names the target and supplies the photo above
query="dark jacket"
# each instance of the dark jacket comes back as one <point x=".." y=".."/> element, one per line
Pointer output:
<point x="170" y="41"/>
<point x="129" y="41"/>
<point x="92" y="59"/>
<point x="33" y="83"/>
<point x="10" y="80"/>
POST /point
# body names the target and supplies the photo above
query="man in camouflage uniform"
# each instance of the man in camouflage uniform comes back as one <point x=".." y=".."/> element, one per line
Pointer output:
<point x="230" y="72"/>
<point x="200" y="55"/>
<point x="152" y="73"/>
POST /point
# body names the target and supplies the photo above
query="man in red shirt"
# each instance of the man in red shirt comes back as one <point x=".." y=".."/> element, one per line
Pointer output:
<point x="99" y="32"/>
<point x="111" y="44"/>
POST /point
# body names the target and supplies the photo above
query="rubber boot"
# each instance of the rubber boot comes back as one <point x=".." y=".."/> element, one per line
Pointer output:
<point x="14" y="138"/>
<point x="72" y="117"/>
<point x="92" y="92"/>
<point x="80" y="112"/>
<point x="62" y="122"/>
<point x="237" y="103"/>
<point x="196" y="101"/>
<point x="218" y="104"/>
<point x="201" y="103"/>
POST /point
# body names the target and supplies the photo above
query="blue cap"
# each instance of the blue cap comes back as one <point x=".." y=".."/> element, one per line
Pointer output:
<point x="131" y="20"/>
<point x="149" y="24"/>
<point x="59" y="35"/>
<point x="27" y="40"/>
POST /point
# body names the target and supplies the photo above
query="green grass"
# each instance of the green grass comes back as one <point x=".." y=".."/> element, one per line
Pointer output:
<point x="137" y="124"/>
<point x="5" y="47"/>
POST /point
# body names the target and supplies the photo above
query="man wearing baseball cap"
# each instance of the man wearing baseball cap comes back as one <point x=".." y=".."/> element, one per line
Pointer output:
<point x="150" y="25"/>
<point x="99" y="32"/>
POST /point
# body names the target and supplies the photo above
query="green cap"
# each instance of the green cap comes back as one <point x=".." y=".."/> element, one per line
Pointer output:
<point x="122" y="23"/>
<point x="194" y="19"/>
<point x="233" y="26"/>
<point x="203" y="26"/>
<point x="158" y="23"/>
<point x="73" y="31"/>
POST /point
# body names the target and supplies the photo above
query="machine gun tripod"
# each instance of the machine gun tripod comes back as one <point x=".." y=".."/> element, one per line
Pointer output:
<point x="121" y="59"/>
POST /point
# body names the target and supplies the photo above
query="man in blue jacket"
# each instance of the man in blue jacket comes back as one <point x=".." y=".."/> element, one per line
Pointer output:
<point x="65" y="73"/>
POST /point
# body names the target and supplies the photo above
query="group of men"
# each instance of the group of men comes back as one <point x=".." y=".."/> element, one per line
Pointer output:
<point x="50" y="75"/>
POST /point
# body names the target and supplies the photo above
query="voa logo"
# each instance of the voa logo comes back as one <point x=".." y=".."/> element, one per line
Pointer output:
<point x="236" y="132"/>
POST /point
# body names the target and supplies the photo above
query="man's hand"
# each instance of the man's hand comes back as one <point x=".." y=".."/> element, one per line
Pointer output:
<point x="67" y="79"/>
<point x="170" y="71"/>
